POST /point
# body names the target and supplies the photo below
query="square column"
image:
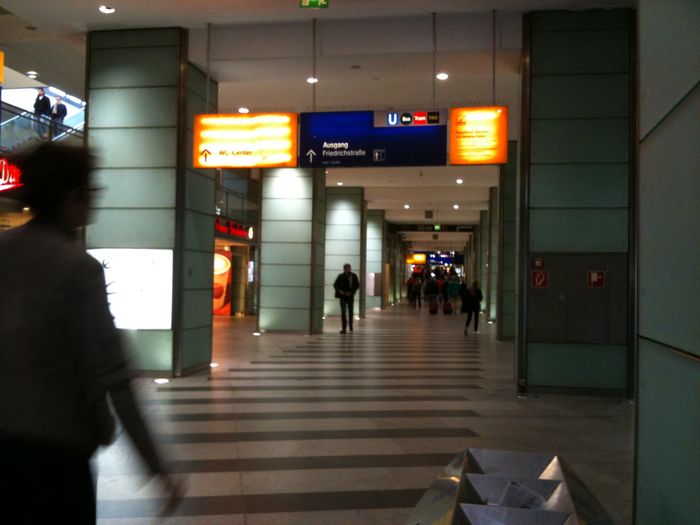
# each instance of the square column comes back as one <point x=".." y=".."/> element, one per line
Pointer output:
<point x="292" y="234"/>
<point x="345" y="243"/>
<point x="375" y="257"/>
<point x="155" y="213"/>
<point x="576" y="219"/>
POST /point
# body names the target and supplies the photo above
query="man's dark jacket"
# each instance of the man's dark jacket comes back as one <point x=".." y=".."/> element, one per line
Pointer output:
<point x="345" y="283"/>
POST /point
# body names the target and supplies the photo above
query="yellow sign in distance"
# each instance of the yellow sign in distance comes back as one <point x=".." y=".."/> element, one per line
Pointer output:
<point x="254" y="140"/>
<point x="479" y="135"/>
<point x="416" y="258"/>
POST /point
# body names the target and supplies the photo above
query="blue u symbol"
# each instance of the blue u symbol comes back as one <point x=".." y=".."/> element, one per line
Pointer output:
<point x="392" y="119"/>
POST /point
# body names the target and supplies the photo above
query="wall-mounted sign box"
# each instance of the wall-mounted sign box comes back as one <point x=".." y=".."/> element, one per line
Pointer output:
<point x="367" y="138"/>
<point x="262" y="140"/>
<point x="539" y="279"/>
<point x="595" y="279"/>
<point x="314" y="4"/>
<point x="139" y="286"/>
<point x="479" y="135"/>
<point x="9" y="176"/>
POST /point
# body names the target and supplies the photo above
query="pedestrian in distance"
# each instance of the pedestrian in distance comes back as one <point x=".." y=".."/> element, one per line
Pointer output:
<point x="346" y="284"/>
<point x="453" y="293"/>
<point x="42" y="110"/>
<point x="474" y="298"/>
<point x="58" y="113"/>
<point x="61" y="362"/>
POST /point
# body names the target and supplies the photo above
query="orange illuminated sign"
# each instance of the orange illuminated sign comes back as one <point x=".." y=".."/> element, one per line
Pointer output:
<point x="479" y="135"/>
<point x="262" y="140"/>
<point x="416" y="258"/>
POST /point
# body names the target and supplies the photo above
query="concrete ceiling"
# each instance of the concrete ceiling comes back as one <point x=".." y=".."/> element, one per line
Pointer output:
<point x="370" y="54"/>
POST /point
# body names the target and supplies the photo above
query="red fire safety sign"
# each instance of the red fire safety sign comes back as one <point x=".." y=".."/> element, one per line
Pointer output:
<point x="538" y="279"/>
<point x="596" y="279"/>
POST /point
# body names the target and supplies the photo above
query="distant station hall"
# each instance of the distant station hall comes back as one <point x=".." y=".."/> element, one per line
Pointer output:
<point x="398" y="263"/>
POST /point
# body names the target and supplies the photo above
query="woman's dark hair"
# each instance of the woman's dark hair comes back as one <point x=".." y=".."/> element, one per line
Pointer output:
<point x="50" y="171"/>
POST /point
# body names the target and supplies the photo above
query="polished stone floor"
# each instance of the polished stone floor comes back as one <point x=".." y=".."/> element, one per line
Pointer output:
<point x="334" y="429"/>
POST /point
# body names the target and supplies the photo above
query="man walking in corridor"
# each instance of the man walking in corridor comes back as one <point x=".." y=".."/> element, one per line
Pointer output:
<point x="346" y="284"/>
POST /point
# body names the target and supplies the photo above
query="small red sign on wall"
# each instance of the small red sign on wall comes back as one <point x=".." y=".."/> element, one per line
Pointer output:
<point x="539" y="279"/>
<point x="596" y="279"/>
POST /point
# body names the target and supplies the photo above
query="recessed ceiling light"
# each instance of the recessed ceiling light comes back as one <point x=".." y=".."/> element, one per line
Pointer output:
<point x="312" y="80"/>
<point x="459" y="181"/>
<point x="106" y="10"/>
<point x="256" y="334"/>
<point x="243" y="110"/>
<point x="339" y="183"/>
<point x="161" y="381"/>
<point x="442" y="76"/>
<point x="455" y="206"/>
<point x="406" y="206"/>
<point x="32" y="74"/>
<point x="214" y="365"/>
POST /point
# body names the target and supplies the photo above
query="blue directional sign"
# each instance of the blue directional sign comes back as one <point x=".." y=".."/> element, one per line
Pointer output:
<point x="366" y="138"/>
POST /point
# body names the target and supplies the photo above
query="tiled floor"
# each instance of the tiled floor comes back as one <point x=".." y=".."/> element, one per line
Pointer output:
<point x="351" y="429"/>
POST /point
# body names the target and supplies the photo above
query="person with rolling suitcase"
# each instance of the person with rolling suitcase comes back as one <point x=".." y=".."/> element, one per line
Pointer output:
<point x="431" y="293"/>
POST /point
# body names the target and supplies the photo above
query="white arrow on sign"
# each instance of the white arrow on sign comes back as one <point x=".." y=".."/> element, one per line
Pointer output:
<point x="311" y="154"/>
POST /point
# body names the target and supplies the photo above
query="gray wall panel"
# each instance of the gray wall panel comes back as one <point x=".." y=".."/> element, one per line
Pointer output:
<point x="138" y="38"/>
<point x="131" y="228"/>
<point x="136" y="188"/>
<point x="135" y="148"/>
<point x="135" y="67"/>
<point x="582" y="141"/>
<point x="133" y="107"/>
<point x="579" y="185"/>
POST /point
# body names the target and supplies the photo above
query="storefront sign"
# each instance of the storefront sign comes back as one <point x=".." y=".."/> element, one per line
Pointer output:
<point x="539" y="279"/>
<point x="9" y="175"/>
<point x="139" y="286"/>
<point x="367" y="138"/>
<point x="234" y="229"/>
<point x="479" y="135"/>
<point x="596" y="279"/>
<point x="263" y="140"/>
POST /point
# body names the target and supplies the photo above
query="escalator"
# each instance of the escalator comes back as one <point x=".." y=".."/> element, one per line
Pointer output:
<point x="19" y="128"/>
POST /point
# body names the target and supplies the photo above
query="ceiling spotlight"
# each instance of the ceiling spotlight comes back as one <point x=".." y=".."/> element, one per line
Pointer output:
<point x="339" y="183"/>
<point x="459" y="181"/>
<point x="214" y="365"/>
<point x="161" y="381"/>
<point x="256" y="334"/>
<point x="442" y="76"/>
<point x="243" y="110"/>
<point x="106" y="10"/>
<point x="312" y="80"/>
<point x="455" y="206"/>
<point x="32" y="74"/>
<point x="406" y="206"/>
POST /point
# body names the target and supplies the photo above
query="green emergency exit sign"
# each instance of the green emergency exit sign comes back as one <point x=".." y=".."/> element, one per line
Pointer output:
<point x="314" y="4"/>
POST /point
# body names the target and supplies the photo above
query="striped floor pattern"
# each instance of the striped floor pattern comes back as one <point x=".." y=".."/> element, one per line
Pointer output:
<point x="350" y="429"/>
